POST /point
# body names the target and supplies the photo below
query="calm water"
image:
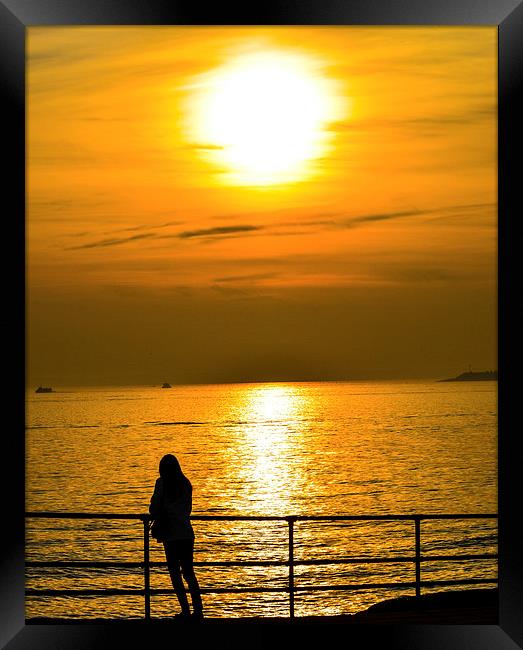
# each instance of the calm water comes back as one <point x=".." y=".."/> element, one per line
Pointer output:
<point x="261" y="449"/>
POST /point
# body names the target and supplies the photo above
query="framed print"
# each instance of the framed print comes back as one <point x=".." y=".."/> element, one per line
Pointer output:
<point x="264" y="266"/>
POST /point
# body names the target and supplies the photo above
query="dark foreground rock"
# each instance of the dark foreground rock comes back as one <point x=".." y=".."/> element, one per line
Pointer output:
<point x="455" y="607"/>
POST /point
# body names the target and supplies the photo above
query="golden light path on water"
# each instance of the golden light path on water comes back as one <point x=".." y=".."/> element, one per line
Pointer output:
<point x="270" y="411"/>
<point x="260" y="450"/>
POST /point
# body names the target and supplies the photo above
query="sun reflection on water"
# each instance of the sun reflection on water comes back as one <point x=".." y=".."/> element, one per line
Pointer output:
<point x="269" y="438"/>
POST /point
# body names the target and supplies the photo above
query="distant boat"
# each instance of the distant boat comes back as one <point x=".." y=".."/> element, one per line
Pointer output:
<point x="487" y="375"/>
<point x="43" y="389"/>
<point x="166" y="385"/>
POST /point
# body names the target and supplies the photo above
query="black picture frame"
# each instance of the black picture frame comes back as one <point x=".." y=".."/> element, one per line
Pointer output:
<point x="15" y="17"/>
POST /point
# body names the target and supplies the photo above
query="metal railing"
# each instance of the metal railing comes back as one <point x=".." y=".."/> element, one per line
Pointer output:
<point x="292" y="589"/>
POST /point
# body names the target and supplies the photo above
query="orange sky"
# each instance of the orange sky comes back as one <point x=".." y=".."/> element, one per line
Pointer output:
<point x="150" y="257"/>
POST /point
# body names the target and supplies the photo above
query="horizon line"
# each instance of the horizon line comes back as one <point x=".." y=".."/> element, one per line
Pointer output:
<point x="245" y="381"/>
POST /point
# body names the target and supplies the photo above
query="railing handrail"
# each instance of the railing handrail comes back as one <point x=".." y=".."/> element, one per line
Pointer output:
<point x="110" y="564"/>
<point x="142" y="516"/>
<point x="292" y="589"/>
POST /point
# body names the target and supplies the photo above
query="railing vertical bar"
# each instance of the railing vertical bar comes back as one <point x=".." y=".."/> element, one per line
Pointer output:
<point x="146" y="570"/>
<point x="291" y="566"/>
<point x="417" y="527"/>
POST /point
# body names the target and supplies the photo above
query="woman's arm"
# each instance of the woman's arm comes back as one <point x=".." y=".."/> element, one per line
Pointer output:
<point x="156" y="500"/>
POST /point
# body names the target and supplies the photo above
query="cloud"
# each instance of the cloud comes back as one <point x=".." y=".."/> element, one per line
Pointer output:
<point x="247" y="278"/>
<point x="220" y="231"/>
<point x="110" y="242"/>
<point x="304" y="227"/>
<point x="205" y="147"/>
<point x="437" y="121"/>
<point x="144" y="227"/>
<point x="384" y="216"/>
<point x="352" y="222"/>
<point x="422" y="274"/>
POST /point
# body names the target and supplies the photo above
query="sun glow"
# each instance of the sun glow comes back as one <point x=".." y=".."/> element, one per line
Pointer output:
<point x="264" y="116"/>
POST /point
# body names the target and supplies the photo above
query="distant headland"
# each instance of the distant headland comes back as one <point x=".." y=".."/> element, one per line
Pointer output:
<point x="486" y="375"/>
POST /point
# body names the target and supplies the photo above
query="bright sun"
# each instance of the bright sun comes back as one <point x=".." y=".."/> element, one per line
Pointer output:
<point x="263" y="117"/>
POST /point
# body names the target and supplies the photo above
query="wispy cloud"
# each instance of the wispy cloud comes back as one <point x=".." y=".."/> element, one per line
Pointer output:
<point x="247" y="278"/>
<point x="384" y="216"/>
<point x="357" y="220"/>
<point x="110" y="242"/>
<point x="422" y="274"/>
<point x="145" y="227"/>
<point x="436" y="121"/>
<point x="315" y="224"/>
<point x="205" y="147"/>
<point x="220" y="231"/>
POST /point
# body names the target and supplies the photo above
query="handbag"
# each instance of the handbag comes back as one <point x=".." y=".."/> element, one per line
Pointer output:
<point x="159" y="529"/>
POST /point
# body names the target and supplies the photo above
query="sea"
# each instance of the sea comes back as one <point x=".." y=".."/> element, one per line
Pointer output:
<point x="262" y="449"/>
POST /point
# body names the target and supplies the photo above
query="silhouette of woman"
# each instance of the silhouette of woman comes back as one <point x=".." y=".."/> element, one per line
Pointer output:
<point x="172" y="497"/>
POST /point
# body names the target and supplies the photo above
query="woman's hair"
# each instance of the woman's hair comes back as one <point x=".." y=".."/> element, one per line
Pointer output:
<point x="173" y="478"/>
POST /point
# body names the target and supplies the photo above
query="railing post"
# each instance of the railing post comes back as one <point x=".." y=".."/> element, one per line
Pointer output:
<point x="146" y="569"/>
<point x="417" y="524"/>
<point x="291" y="521"/>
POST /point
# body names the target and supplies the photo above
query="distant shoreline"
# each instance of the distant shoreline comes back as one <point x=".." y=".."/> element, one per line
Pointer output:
<point x="487" y="375"/>
<point x="69" y="388"/>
